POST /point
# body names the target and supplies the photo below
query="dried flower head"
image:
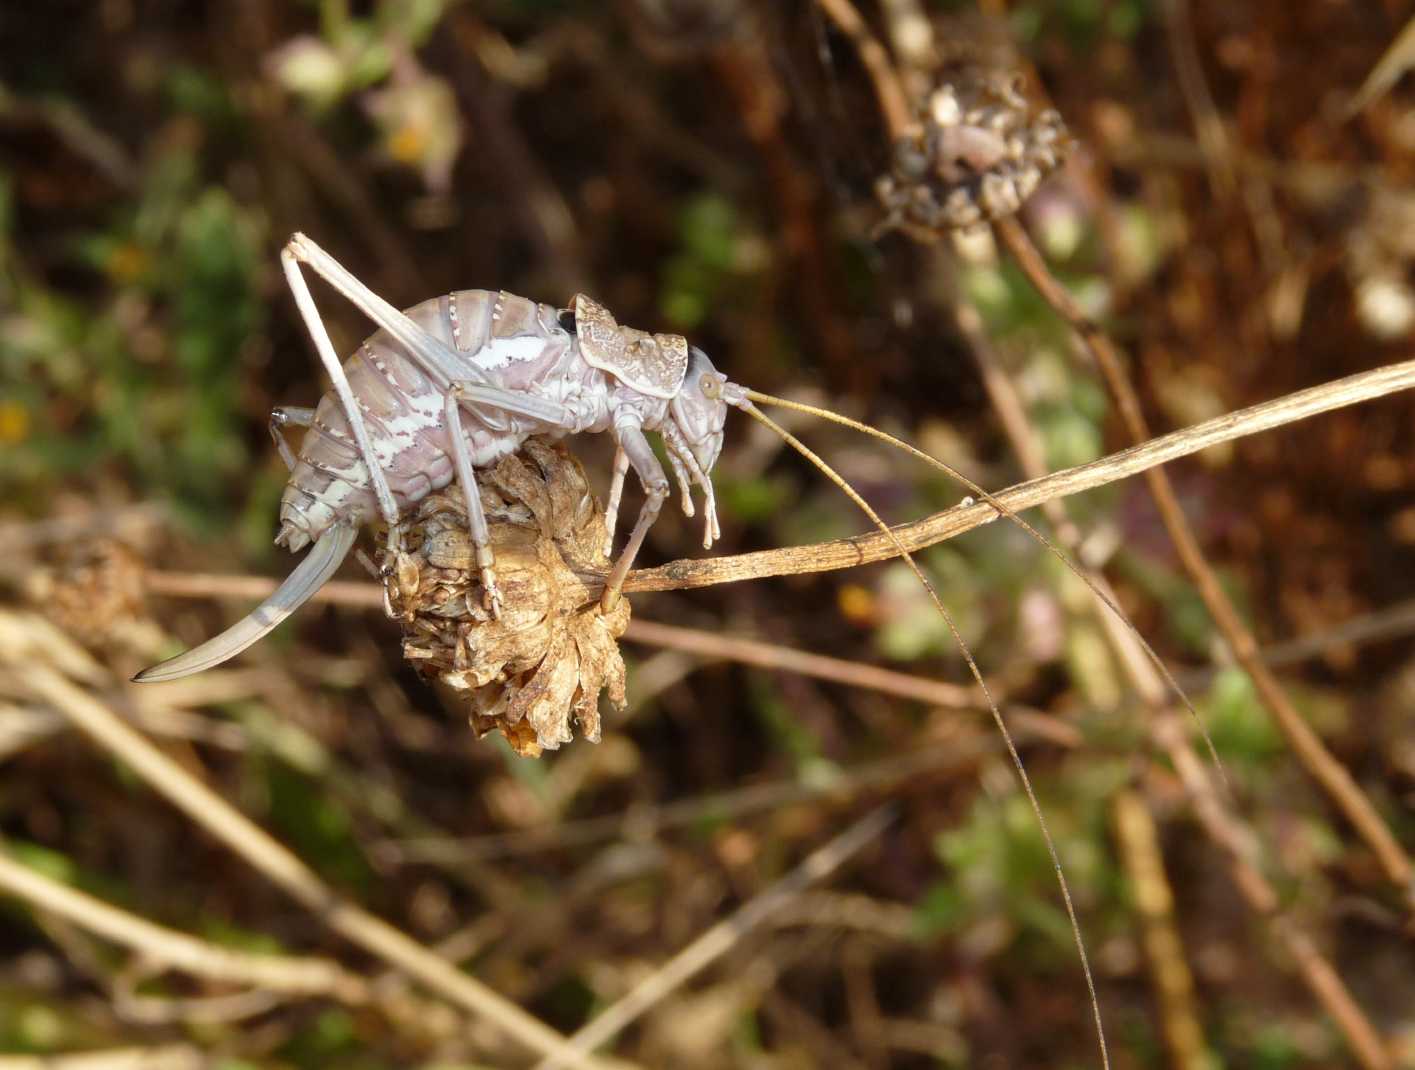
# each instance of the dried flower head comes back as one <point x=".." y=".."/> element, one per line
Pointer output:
<point x="552" y="651"/>
<point x="94" y="593"/>
<point x="980" y="152"/>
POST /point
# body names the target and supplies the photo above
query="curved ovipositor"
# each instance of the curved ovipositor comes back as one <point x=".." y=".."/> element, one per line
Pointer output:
<point x="309" y="576"/>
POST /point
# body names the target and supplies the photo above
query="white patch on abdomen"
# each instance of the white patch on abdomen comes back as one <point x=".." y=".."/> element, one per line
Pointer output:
<point x="500" y="352"/>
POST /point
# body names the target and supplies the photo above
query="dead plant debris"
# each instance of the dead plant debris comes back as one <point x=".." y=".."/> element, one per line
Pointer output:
<point x="982" y="149"/>
<point x="552" y="651"/>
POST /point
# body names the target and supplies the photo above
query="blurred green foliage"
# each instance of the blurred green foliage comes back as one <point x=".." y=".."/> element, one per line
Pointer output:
<point x="997" y="866"/>
<point x="157" y="370"/>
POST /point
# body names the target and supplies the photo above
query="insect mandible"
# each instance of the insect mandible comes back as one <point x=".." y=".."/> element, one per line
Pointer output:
<point x="451" y="385"/>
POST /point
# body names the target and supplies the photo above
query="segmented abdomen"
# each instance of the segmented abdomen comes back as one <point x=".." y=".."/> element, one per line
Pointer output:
<point x="403" y="410"/>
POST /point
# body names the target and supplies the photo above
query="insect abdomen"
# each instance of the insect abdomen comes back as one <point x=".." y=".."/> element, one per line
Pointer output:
<point x="402" y="411"/>
<point x="402" y="408"/>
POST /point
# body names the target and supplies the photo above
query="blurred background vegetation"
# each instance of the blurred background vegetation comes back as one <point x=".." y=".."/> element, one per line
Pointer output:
<point x="706" y="166"/>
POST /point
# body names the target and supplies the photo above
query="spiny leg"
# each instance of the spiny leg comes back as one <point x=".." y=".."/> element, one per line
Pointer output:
<point x="441" y="363"/>
<point x="476" y="518"/>
<point x="387" y="507"/>
<point x="444" y="365"/>
<point x="616" y="492"/>
<point x="284" y="416"/>
<point x="682" y="457"/>
<point x="650" y="472"/>
<point x="481" y="397"/>
<point x="685" y="481"/>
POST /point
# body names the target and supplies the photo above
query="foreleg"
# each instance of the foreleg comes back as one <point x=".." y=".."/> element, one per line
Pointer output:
<point x="682" y="457"/>
<point x="685" y="484"/>
<point x="631" y="440"/>
<point x="288" y="416"/>
<point x="616" y="492"/>
<point x="387" y="508"/>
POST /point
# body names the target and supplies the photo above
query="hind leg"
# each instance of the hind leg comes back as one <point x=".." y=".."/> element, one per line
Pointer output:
<point x="387" y="507"/>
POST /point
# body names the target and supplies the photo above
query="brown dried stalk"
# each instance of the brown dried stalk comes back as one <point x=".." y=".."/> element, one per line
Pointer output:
<point x="893" y="101"/>
<point x="865" y="549"/>
<point x="296" y="976"/>
<point x="1154" y="901"/>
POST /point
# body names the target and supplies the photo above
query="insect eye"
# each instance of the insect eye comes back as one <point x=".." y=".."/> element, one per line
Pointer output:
<point x="710" y="386"/>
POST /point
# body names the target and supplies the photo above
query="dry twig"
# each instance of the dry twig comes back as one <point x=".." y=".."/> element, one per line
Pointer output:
<point x="863" y="549"/>
<point x="1154" y="902"/>
<point x="284" y="869"/>
<point x="167" y="1057"/>
<point x="722" y="937"/>
<point x="160" y="946"/>
<point x="950" y="523"/>
<point x="893" y="101"/>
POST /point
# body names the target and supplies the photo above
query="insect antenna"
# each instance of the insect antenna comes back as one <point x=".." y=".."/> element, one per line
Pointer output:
<point x="800" y="447"/>
<point x="1056" y="551"/>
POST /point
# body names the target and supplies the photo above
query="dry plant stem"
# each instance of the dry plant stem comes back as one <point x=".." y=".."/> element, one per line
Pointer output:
<point x="283" y="868"/>
<point x="878" y="546"/>
<point x="851" y="673"/>
<point x="1394" y="62"/>
<point x="1096" y="586"/>
<point x="1236" y="841"/>
<point x="865" y="549"/>
<point x="893" y="102"/>
<point x="1173" y="982"/>
<point x="651" y="633"/>
<point x="1002" y="729"/>
<point x="726" y="934"/>
<point x="160" y="946"/>
<point x="1154" y="902"/>
<point x="1308" y="746"/>
<point x="167" y="1057"/>
<point x="911" y="38"/>
<point x="774" y="656"/>
<point x="216" y="585"/>
<point x="1227" y="831"/>
<point x="1214" y="143"/>
<point x="1208" y="124"/>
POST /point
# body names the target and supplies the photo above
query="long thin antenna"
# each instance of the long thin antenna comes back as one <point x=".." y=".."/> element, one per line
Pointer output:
<point x="830" y="473"/>
<point x="1061" y="555"/>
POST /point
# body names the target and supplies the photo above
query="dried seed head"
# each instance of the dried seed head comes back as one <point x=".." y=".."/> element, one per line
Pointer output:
<point x="95" y="592"/>
<point x="552" y="651"/>
<point x="982" y="150"/>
